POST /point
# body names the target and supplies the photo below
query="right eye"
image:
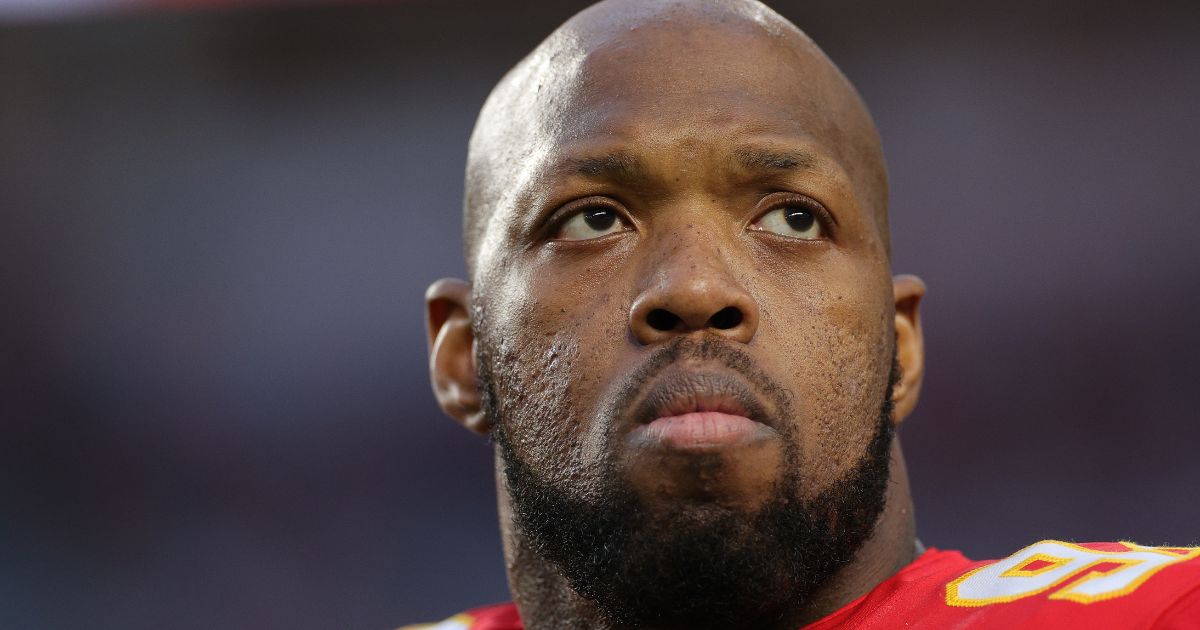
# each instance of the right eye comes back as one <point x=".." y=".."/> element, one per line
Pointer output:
<point x="590" y="223"/>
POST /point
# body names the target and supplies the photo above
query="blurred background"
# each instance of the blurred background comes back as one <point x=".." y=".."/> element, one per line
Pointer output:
<point x="217" y="220"/>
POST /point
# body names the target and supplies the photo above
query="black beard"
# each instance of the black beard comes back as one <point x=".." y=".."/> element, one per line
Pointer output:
<point x="708" y="567"/>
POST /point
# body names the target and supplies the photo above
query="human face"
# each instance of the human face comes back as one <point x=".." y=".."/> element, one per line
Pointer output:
<point x="680" y="328"/>
<point x="722" y="196"/>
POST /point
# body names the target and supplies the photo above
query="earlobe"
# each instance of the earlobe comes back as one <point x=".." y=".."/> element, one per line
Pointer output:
<point x="910" y="344"/>
<point x="452" y="368"/>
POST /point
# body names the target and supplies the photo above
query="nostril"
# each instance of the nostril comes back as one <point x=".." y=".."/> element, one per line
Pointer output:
<point x="662" y="319"/>
<point x="726" y="318"/>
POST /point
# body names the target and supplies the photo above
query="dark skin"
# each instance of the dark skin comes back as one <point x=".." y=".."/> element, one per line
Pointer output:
<point x="660" y="170"/>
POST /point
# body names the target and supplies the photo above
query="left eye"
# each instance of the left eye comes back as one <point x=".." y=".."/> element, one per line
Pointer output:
<point x="791" y="221"/>
<point x="591" y="223"/>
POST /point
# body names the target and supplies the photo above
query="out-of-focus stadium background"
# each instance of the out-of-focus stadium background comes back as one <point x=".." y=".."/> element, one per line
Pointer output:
<point x="217" y="221"/>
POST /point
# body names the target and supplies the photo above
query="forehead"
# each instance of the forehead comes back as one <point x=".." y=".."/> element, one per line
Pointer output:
<point x="679" y="140"/>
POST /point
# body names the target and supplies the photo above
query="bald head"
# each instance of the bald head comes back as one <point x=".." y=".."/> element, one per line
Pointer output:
<point x="664" y="63"/>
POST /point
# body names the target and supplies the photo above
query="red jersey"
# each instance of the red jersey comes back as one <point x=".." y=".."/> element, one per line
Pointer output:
<point x="1051" y="584"/>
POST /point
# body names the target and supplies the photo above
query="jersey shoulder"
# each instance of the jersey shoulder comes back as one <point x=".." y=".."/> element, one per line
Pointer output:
<point x="1049" y="584"/>
<point x="497" y="617"/>
<point x="1082" y="573"/>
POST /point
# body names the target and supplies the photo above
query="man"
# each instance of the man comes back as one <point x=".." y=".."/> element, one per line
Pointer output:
<point x="683" y="335"/>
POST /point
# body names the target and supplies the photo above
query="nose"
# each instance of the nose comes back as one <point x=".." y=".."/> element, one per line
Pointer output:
<point x="693" y="290"/>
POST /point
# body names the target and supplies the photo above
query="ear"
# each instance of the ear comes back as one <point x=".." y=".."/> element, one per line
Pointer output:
<point x="910" y="345"/>
<point x="452" y="368"/>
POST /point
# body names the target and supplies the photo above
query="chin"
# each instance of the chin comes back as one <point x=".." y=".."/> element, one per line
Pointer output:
<point x="745" y="476"/>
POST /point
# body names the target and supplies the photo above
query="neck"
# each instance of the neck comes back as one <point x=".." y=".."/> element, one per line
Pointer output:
<point x="545" y="600"/>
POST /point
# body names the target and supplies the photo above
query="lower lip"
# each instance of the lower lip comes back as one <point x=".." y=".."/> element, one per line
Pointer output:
<point x="703" y="430"/>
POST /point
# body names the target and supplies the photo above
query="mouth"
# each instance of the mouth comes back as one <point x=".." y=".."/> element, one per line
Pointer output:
<point x="701" y="410"/>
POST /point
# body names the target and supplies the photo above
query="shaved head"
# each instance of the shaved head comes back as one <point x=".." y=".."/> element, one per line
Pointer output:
<point x="653" y="54"/>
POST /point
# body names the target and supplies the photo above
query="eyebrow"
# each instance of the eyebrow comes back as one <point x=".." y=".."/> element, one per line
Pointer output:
<point x="758" y="159"/>
<point x="620" y="165"/>
<point x="616" y="165"/>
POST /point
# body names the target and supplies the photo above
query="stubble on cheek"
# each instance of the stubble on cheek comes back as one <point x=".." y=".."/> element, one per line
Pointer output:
<point x="544" y="379"/>
<point x="838" y="358"/>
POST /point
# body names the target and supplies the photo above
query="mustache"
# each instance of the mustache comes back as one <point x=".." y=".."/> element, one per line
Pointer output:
<point x="712" y="349"/>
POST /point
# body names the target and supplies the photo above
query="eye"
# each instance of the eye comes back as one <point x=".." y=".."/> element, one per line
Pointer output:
<point x="590" y="223"/>
<point x="794" y="221"/>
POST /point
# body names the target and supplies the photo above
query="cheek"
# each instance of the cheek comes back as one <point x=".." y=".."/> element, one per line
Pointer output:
<point x="836" y="347"/>
<point x="848" y="390"/>
<point x="551" y="349"/>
